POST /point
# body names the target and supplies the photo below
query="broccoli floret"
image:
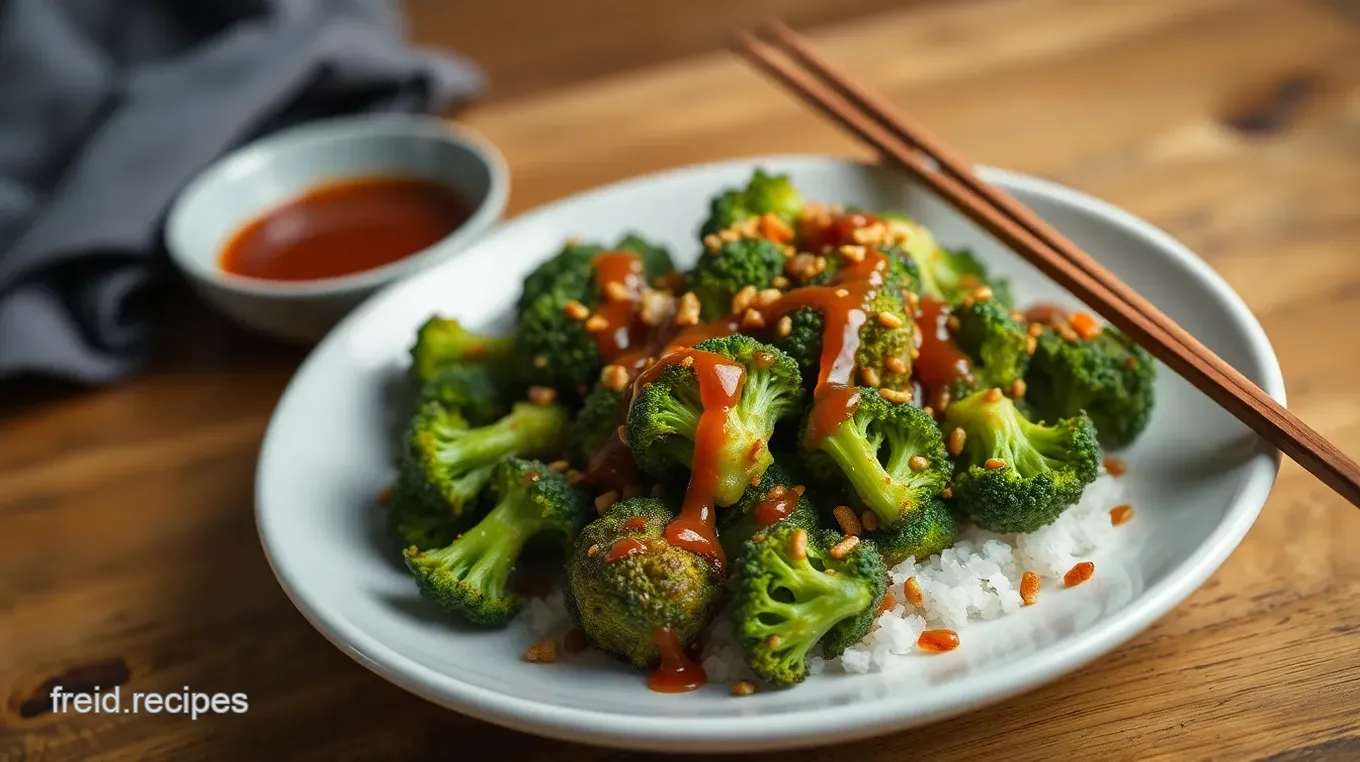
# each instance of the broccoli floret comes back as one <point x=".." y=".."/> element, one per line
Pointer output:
<point x="925" y="533"/>
<point x="468" y="577"/>
<point x="719" y="275"/>
<point x="899" y="271"/>
<point x="477" y="392"/>
<point x="441" y="343"/>
<point x="554" y="347"/>
<point x="1108" y="376"/>
<point x="763" y="194"/>
<point x="444" y="463"/>
<point x="624" y="581"/>
<point x="994" y="340"/>
<point x="664" y="416"/>
<point x="1036" y="470"/>
<point x="601" y="414"/>
<point x="777" y="500"/>
<point x="786" y="601"/>
<point x="885" y="349"/>
<point x="891" y="454"/>
<point x="948" y="274"/>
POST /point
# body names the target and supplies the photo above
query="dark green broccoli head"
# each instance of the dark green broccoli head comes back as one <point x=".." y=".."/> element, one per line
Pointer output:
<point x="664" y="417"/>
<point x="994" y="340"/>
<point x="790" y="593"/>
<point x="478" y="392"/>
<point x="624" y="581"/>
<point x="885" y="345"/>
<point x="575" y="265"/>
<point x="551" y="345"/>
<point x="444" y="463"/>
<point x="921" y="535"/>
<point x="1108" y="376"/>
<point x="441" y="343"/>
<point x="468" y="577"/>
<point x="891" y="454"/>
<point x="719" y="275"/>
<point x="1035" y="471"/>
<point x="764" y="193"/>
<point x="776" y="501"/>
<point x="601" y="414"/>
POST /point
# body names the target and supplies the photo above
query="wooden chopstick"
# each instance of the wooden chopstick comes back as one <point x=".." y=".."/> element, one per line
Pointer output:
<point x="946" y="173"/>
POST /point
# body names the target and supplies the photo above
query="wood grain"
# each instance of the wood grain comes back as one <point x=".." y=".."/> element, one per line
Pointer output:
<point x="126" y="534"/>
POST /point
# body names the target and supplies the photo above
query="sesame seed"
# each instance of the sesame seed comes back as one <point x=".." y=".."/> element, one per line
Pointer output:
<point x="947" y="493"/>
<point x="993" y="395"/>
<point x="853" y="253"/>
<point x="994" y="464"/>
<point x="687" y="309"/>
<point x="1018" y="388"/>
<point x="622" y="431"/>
<point x="895" y="396"/>
<point x="596" y="323"/>
<point x="1035" y="329"/>
<point x="918" y="463"/>
<point x="798" y="545"/>
<point x="869" y="376"/>
<point x="768" y="296"/>
<point x="982" y="293"/>
<point x="896" y="364"/>
<point x="869" y="520"/>
<point x="542" y="395"/>
<point x="743" y="299"/>
<point x="890" y="320"/>
<point x="712" y="242"/>
<point x="842" y="549"/>
<point x="606" y="501"/>
<point x="616" y="291"/>
<point x="952" y="323"/>
<point x="688" y="361"/>
<point x="542" y="652"/>
<point x="743" y="688"/>
<point x="842" y="292"/>
<point x="575" y="310"/>
<point x="757" y="447"/>
<point x="592" y="551"/>
<point x="779" y="281"/>
<point x="956" y="441"/>
<point x="785" y="326"/>
<point x="1031" y="344"/>
<point x="575" y="477"/>
<point x="752" y="320"/>
<point x="848" y="520"/>
<point x="614" y="377"/>
<point x="540" y="361"/>
<point x="1029" y="588"/>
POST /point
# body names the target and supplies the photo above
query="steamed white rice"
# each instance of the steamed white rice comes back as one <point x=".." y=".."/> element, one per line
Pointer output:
<point x="977" y="579"/>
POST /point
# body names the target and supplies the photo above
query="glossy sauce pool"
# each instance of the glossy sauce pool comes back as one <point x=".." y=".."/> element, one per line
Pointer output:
<point x="345" y="227"/>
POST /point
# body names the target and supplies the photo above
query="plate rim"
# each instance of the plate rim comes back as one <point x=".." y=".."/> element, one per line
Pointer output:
<point x="830" y="724"/>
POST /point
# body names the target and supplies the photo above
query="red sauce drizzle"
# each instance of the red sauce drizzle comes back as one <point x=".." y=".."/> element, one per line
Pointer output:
<point x="842" y="305"/>
<point x="941" y="362"/>
<point x="635" y="524"/>
<point x="624" y="548"/>
<point x="720" y="384"/>
<point x="839" y="231"/>
<point x="773" y="509"/>
<point x="678" y="672"/>
<point x="624" y="329"/>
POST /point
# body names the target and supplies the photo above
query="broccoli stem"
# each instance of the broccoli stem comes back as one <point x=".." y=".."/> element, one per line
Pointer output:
<point x="819" y="602"/>
<point x="858" y="460"/>
<point x="484" y="556"/>
<point x="527" y="430"/>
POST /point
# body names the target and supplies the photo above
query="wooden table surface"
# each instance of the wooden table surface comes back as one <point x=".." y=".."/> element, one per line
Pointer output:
<point x="127" y="545"/>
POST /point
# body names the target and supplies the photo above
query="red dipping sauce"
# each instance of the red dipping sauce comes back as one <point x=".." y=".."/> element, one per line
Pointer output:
<point x="344" y="228"/>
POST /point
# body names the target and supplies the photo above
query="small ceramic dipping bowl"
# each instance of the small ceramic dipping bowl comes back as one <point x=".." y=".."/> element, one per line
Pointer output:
<point x="275" y="170"/>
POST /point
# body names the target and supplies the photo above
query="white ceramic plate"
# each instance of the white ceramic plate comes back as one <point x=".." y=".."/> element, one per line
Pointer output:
<point x="1198" y="480"/>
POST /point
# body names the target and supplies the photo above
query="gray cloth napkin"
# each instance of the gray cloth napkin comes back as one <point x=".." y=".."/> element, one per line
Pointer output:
<point x="109" y="107"/>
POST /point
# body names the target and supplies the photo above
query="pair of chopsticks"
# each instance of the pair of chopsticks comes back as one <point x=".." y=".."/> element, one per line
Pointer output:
<point x="909" y="145"/>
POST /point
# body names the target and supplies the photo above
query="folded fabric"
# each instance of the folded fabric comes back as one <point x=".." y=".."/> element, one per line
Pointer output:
<point x="107" y="109"/>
